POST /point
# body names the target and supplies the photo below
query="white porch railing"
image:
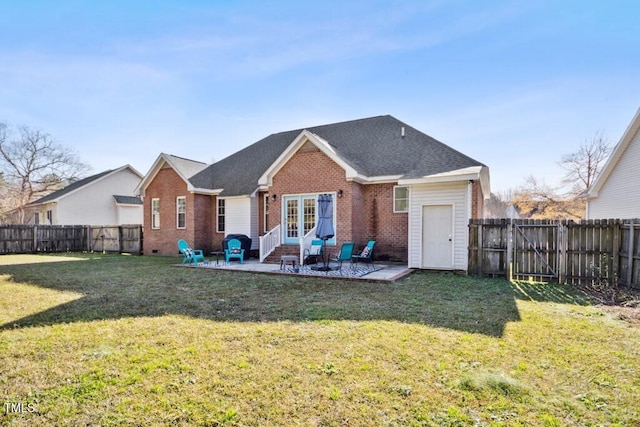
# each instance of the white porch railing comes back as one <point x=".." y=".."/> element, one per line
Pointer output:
<point x="269" y="242"/>
<point x="305" y="242"/>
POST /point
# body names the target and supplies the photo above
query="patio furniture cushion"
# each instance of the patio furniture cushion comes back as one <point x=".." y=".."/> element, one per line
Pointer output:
<point x="366" y="255"/>
<point x="234" y="251"/>
<point x="189" y="255"/>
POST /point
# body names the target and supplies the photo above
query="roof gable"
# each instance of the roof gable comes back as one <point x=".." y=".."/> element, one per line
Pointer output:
<point x="185" y="168"/>
<point x="81" y="184"/>
<point x="305" y="137"/>
<point x="615" y="156"/>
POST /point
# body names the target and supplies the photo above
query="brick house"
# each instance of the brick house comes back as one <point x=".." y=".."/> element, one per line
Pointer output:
<point x="389" y="182"/>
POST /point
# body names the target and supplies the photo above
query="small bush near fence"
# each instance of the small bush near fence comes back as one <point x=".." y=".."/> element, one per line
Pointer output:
<point x="26" y="239"/>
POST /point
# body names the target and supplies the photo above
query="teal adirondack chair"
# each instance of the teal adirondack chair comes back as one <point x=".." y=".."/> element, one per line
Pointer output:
<point x="346" y="252"/>
<point x="189" y="255"/>
<point x="366" y="255"/>
<point x="234" y="251"/>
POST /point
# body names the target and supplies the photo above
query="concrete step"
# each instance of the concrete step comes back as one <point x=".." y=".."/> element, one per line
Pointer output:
<point x="274" y="257"/>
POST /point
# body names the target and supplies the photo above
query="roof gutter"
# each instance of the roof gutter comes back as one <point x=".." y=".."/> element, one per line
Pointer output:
<point x="205" y="191"/>
<point x="474" y="173"/>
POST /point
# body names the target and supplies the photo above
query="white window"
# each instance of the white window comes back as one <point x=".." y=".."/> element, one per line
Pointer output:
<point x="266" y="213"/>
<point x="49" y="217"/>
<point x="36" y="218"/>
<point x="181" y="212"/>
<point x="400" y="199"/>
<point x="155" y="214"/>
<point x="221" y="210"/>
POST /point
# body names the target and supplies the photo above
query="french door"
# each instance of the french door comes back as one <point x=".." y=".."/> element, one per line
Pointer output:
<point x="299" y="216"/>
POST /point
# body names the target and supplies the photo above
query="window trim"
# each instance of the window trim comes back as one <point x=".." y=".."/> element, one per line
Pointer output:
<point x="49" y="216"/>
<point x="265" y="213"/>
<point x="155" y="214"/>
<point x="300" y="214"/>
<point x="396" y="199"/>
<point x="178" y="213"/>
<point x="220" y="215"/>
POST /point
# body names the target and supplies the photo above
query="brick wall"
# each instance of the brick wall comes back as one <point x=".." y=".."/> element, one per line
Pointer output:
<point x="477" y="200"/>
<point x="167" y="186"/>
<point x="311" y="171"/>
<point x="389" y="230"/>
<point x="202" y="226"/>
<point x="364" y="212"/>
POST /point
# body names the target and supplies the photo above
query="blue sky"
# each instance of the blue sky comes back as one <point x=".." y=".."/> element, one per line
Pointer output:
<point x="513" y="84"/>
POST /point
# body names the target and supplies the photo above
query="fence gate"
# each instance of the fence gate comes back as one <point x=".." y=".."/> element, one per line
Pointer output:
<point x="105" y="239"/>
<point x="582" y="253"/>
<point x="537" y="250"/>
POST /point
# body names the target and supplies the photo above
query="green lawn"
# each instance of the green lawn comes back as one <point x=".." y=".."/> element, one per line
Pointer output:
<point x="121" y="340"/>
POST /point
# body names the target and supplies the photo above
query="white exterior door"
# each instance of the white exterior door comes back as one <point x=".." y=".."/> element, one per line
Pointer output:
<point x="437" y="237"/>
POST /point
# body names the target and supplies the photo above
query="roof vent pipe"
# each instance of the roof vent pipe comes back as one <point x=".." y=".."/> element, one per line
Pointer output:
<point x="402" y="131"/>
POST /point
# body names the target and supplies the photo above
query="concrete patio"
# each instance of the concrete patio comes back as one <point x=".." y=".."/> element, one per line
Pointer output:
<point x="386" y="272"/>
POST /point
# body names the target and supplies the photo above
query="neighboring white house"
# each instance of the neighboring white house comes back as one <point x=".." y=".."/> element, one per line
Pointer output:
<point x="106" y="198"/>
<point x="616" y="191"/>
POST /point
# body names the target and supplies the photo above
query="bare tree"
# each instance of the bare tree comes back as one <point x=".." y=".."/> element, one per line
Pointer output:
<point x="583" y="166"/>
<point x="33" y="165"/>
<point x="538" y="200"/>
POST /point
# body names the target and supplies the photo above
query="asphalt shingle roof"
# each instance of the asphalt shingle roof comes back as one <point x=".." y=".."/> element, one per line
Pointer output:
<point x="186" y="167"/>
<point x="71" y="187"/>
<point x="372" y="146"/>
<point x="128" y="200"/>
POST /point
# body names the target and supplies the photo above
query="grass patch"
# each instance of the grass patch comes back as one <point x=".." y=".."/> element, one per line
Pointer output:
<point x="116" y="340"/>
<point x="492" y="382"/>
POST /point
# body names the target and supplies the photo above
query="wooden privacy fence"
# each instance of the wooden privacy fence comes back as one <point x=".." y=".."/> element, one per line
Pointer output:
<point x="585" y="252"/>
<point x="26" y="239"/>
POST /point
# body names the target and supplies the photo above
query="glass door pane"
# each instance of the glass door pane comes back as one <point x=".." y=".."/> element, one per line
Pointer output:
<point x="309" y="213"/>
<point x="292" y="213"/>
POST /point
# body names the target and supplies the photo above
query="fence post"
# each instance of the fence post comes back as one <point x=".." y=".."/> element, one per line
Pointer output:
<point x="89" y="238"/>
<point x="615" y="251"/>
<point x="632" y="233"/>
<point x="480" y="242"/>
<point x="562" y="242"/>
<point x="509" y="257"/>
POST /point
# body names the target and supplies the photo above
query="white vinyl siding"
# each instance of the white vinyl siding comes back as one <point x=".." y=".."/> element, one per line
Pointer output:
<point x="95" y="205"/>
<point x="455" y="194"/>
<point x="128" y="214"/>
<point x="238" y="216"/>
<point x="619" y="197"/>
